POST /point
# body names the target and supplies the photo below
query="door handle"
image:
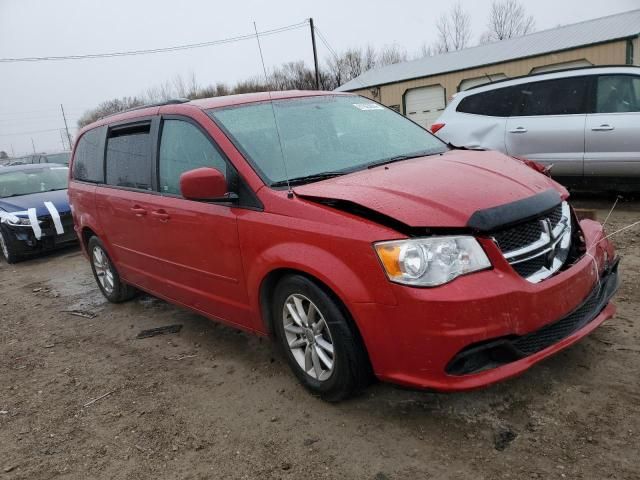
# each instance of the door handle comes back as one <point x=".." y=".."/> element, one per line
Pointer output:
<point x="161" y="215"/>
<point x="605" y="127"/>
<point x="138" y="210"/>
<point x="518" y="130"/>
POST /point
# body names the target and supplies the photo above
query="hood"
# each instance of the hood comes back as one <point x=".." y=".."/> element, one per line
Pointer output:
<point x="21" y="203"/>
<point x="436" y="191"/>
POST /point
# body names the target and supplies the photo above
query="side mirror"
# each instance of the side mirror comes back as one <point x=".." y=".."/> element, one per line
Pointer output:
<point x="205" y="183"/>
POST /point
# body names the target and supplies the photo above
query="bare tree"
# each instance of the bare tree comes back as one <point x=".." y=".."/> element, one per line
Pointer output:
<point x="426" y="50"/>
<point x="507" y="19"/>
<point x="454" y="30"/>
<point x="391" y="54"/>
<point x="109" y="107"/>
<point x="292" y="76"/>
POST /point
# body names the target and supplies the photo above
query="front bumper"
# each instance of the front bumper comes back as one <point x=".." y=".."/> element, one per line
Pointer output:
<point x="22" y="241"/>
<point x="420" y="342"/>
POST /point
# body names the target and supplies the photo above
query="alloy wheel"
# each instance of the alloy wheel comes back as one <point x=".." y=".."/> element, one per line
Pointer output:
<point x="3" y="246"/>
<point x="308" y="337"/>
<point x="104" y="272"/>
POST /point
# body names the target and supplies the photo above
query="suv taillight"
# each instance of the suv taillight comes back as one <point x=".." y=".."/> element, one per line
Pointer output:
<point x="436" y="126"/>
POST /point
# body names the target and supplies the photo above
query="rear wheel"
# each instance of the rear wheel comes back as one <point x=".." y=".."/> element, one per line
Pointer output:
<point x="106" y="275"/>
<point x="320" y="344"/>
<point x="7" y="253"/>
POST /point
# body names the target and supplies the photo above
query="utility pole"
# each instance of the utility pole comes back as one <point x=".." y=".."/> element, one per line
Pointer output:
<point x="62" y="140"/>
<point x="315" y="53"/>
<point x="33" y="145"/>
<point x="66" y="126"/>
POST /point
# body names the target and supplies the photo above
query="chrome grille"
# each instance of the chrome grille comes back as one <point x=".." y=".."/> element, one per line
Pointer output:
<point x="538" y="248"/>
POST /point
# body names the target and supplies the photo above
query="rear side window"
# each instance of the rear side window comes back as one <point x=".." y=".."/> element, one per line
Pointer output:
<point x="129" y="157"/>
<point x="494" y="103"/>
<point x="618" y="94"/>
<point x="88" y="163"/>
<point x="565" y="96"/>
<point x="184" y="147"/>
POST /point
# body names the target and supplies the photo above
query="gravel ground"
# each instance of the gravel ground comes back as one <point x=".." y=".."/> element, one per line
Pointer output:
<point x="210" y="402"/>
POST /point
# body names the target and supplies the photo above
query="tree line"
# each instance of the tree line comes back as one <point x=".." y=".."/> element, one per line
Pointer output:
<point x="506" y="19"/>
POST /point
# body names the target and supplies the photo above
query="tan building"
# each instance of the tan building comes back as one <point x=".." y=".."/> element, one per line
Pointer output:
<point x="421" y="88"/>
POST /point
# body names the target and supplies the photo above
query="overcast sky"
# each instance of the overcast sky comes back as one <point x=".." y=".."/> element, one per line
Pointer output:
<point x="31" y="93"/>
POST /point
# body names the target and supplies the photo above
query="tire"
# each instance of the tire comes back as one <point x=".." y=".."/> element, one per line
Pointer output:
<point x="6" y="251"/>
<point x="337" y="360"/>
<point x="106" y="275"/>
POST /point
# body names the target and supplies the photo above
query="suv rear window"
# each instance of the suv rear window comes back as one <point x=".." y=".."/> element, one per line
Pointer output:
<point x="563" y="96"/>
<point x="618" y="94"/>
<point x="494" y="103"/>
<point x="129" y="157"/>
<point x="88" y="163"/>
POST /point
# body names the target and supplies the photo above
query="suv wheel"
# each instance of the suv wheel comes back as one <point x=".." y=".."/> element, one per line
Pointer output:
<point x="7" y="254"/>
<point x="106" y="274"/>
<point x="318" y="341"/>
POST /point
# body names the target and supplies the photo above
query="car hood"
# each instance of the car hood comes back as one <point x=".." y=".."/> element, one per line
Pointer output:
<point x="21" y="203"/>
<point x="436" y="191"/>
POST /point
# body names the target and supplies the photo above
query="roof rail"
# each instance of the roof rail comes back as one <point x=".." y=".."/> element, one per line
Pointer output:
<point x="559" y="70"/>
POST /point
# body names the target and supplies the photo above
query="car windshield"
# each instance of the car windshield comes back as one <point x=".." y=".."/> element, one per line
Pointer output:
<point x="24" y="182"/>
<point x="329" y="134"/>
<point x="62" y="158"/>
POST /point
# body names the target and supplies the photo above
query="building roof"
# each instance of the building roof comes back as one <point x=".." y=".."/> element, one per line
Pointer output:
<point x="604" y="29"/>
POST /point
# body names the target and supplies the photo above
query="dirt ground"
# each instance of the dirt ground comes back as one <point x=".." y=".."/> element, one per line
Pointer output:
<point x="210" y="402"/>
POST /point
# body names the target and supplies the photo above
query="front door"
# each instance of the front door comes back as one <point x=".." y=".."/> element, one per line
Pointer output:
<point x="612" y="132"/>
<point x="548" y="125"/>
<point x="195" y="244"/>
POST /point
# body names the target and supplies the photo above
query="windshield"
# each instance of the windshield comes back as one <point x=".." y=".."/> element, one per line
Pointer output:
<point x="321" y="134"/>
<point x="37" y="180"/>
<point x="62" y="158"/>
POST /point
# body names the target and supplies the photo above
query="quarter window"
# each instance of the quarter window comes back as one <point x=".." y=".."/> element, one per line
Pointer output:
<point x="88" y="163"/>
<point x="618" y="94"/>
<point x="494" y="103"/>
<point x="184" y="147"/>
<point x="129" y="157"/>
<point x="564" y="96"/>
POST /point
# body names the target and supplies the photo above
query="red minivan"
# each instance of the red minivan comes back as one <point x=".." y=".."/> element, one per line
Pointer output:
<point x="362" y="243"/>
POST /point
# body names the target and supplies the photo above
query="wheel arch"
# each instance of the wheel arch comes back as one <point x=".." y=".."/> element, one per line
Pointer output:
<point x="269" y="285"/>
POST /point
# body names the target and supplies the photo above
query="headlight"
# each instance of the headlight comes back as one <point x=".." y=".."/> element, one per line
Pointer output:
<point x="432" y="261"/>
<point x="20" y="221"/>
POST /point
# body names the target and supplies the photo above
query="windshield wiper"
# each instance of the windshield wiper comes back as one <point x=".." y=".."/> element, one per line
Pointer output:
<point x="399" y="158"/>
<point x="316" y="177"/>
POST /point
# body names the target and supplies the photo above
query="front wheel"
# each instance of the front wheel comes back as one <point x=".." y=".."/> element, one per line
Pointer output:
<point x="320" y="344"/>
<point x="106" y="275"/>
<point x="7" y="252"/>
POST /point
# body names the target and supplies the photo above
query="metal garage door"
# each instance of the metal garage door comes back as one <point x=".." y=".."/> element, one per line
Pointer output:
<point x="474" y="82"/>
<point x="425" y="104"/>
<point x="561" y="66"/>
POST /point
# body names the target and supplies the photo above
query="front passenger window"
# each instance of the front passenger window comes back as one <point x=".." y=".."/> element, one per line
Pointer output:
<point x="184" y="147"/>
<point x="564" y="96"/>
<point x="618" y="94"/>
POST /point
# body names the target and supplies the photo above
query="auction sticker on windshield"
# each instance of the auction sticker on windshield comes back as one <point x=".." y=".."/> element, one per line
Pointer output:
<point x="368" y="106"/>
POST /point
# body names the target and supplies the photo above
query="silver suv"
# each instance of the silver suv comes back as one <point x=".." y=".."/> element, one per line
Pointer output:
<point x="585" y="122"/>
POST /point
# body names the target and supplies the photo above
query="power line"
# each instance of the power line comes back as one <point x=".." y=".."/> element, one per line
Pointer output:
<point x="37" y="113"/>
<point x="5" y="122"/>
<point x="335" y="55"/>
<point x="326" y="43"/>
<point x="157" y="50"/>
<point x="28" y="133"/>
